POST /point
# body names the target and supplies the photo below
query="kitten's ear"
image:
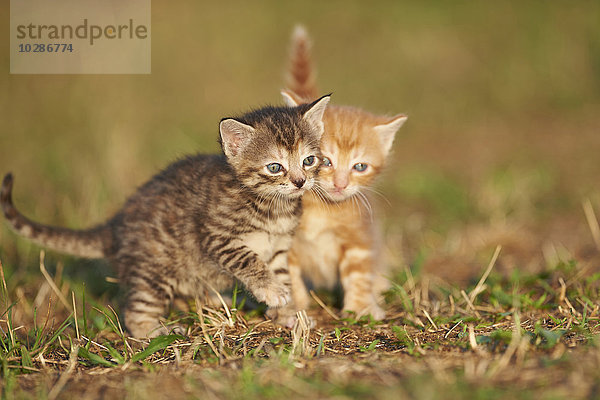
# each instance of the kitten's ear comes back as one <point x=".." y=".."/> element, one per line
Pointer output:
<point x="388" y="130"/>
<point x="234" y="136"/>
<point x="314" y="115"/>
<point x="290" y="98"/>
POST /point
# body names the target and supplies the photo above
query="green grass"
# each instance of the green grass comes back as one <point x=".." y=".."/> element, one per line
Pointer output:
<point x="440" y="340"/>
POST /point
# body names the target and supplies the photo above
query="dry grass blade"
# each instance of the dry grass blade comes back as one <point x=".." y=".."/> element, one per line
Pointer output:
<point x="480" y="285"/>
<point x="563" y="296"/>
<point x="75" y="315"/>
<point x="64" y="378"/>
<point x="121" y="332"/>
<point x="473" y="340"/>
<point x="515" y="343"/>
<point x="592" y="221"/>
<point x="451" y="329"/>
<point x="322" y="304"/>
<point x="205" y="332"/>
<point x="469" y="303"/>
<point x="451" y="301"/>
<point x="563" y="290"/>
<point x="229" y="317"/>
<point x="430" y="320"/>
<point x="50" y="281"/>
<point x="301" y="335"/>
<point x="3" y="280"/>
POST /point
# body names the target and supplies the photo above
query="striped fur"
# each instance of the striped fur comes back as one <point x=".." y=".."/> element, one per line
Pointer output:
<point x="90" y="243"/>
<point x="336" y="239"/>
<point x="205" y="220"/>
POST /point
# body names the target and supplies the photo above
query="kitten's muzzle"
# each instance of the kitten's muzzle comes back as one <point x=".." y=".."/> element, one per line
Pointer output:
<point x="299" y="182"/>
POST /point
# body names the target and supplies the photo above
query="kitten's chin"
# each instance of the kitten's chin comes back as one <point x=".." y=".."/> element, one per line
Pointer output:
<point x="338" y="197"/>
<point x="295" y="193"/>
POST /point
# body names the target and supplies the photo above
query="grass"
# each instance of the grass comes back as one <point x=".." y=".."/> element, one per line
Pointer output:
<point x="500" y="150"/>
<point x="529" y="330"/>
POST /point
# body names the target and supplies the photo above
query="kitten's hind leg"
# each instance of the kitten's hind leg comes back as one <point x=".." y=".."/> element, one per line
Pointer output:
<point x="147" y="300"/>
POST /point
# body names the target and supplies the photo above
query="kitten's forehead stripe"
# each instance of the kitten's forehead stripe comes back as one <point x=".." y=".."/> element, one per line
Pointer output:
<point x="284" y="130"/>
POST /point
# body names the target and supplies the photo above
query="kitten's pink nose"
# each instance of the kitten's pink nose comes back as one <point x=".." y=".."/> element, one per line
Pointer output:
<point x="340" y="182"/>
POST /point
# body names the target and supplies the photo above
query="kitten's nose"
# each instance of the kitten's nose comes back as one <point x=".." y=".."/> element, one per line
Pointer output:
<point x="340" y="181"/>
<point x="298" y="182"/>
<point x="340" y="184"/>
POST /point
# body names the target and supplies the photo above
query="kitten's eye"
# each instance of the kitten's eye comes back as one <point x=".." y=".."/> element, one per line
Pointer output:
<point x="360" y="167"/>
<point x="308" y="161"/>
<point x="326" y="162"/>
<point x="274" y="168"/>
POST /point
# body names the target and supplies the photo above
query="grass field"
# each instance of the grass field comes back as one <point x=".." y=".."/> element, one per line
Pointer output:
<point x="490" y="217"/>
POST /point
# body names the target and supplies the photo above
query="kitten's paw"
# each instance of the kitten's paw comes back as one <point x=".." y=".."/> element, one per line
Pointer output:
<point x="274" y="295"/>
<point x="376" y="312"/>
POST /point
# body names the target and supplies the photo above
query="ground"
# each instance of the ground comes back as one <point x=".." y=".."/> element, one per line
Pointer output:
<point x="520" y="336"/>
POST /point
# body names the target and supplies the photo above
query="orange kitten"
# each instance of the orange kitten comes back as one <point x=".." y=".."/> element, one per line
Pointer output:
<point x="336" y="240"/>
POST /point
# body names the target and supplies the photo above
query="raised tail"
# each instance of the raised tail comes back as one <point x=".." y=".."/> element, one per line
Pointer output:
<point x="89" y="243"/>
<point x="301" y="77"/>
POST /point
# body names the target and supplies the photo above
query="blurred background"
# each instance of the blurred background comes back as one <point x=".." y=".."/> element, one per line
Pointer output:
<point x="501" y="145"/>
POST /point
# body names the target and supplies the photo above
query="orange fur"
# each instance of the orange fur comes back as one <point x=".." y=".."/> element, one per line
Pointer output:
<point x="301" y="76"/>
<point x="336" y="240"/>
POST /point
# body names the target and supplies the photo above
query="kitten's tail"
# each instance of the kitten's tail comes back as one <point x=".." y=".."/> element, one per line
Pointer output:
<point x="300" y="77"/>
<point x="89" y="243"/>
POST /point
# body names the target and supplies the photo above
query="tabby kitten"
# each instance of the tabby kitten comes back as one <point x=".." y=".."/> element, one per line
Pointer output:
<point x="336" y="239"/>
<point x="205" y="219"/>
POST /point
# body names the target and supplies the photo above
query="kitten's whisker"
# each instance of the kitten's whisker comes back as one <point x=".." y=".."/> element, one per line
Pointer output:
<point x="272" y="204"/>
<point x="324" y="203"/>
<point x="377" y="192"/>
<point x="356" y="204"/>
<point x="262" y="199"/>
<point x="318" y="190"/>
<point x="315" y="190"/>
<point x="365" y="201"/>
<point x="326" y="200"/>
<point x="279" y="205"/>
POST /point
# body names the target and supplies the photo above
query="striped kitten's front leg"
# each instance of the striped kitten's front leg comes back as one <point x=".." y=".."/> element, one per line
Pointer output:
<point x="356" y="274"/>
<point x="279" y="266"/>
<point x="286" y="315"/>
<point x="243" y="263"/>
